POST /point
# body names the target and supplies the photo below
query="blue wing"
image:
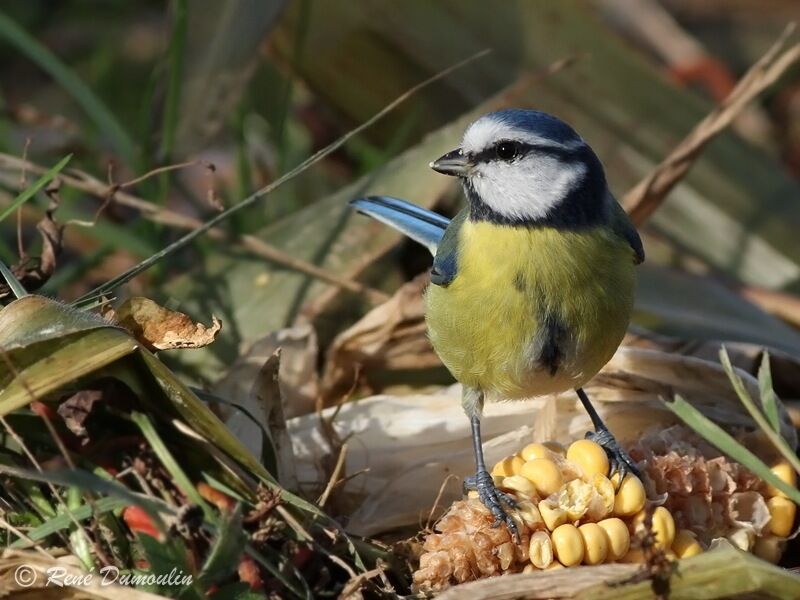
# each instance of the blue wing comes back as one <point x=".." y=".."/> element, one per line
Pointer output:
<point x="418" y="223"/>
<point x="437" y="233"/>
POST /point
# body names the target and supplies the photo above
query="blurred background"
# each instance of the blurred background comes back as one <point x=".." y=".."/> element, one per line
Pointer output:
<point x="235" y="93"/>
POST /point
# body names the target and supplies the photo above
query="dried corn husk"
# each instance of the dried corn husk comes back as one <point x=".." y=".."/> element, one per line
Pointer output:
<point x="411" y="444"/>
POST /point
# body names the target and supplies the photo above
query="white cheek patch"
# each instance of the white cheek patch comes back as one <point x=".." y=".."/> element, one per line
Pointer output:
<point x="528" y="189"/>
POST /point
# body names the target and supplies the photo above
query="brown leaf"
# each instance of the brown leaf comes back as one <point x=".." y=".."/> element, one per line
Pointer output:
<point x="159" y="328"/>
<point x="76" y="409"/>
<point x="390" y="336"/>
<point x="33" y="272"/>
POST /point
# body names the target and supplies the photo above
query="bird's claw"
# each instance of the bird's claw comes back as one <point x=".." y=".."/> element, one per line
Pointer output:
<point x="493" y="499"/>
<point x="619" y="460"/>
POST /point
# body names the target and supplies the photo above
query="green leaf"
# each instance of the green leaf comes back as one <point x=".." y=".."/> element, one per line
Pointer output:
<point x="227" y="549"/>
<point x="30" y="191"/>
<point x="16" y="287"/>
<point x="774" y="436"/>
<point x="94" y="108"/>
<point x="769" y="401"/>
<point x="719" y="438"/>
<point x="165" y="558"/>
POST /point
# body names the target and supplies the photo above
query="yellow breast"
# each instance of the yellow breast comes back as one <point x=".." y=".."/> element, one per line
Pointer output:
<point x="513" y="283"/>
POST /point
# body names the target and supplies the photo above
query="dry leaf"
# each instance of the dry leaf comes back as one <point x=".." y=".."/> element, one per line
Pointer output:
<point x="159" y="328"/>
<point x="267" y="393"/>
<point x="297" y="380"/>
<point x="77" y="408"/>
<point x="34" y="272"/>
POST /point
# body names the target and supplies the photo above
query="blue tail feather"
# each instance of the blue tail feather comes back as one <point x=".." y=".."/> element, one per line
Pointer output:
<point x="420" y="224"/>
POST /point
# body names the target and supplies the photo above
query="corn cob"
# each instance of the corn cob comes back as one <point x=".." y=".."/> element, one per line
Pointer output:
<point x="570" y="513"/>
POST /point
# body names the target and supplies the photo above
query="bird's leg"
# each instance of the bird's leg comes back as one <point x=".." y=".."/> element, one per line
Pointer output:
<point x="482" y="481"/>
<point x="618" y="458"/>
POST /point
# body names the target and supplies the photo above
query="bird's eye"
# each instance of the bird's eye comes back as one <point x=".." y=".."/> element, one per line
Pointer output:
<point x="506" y="150"/>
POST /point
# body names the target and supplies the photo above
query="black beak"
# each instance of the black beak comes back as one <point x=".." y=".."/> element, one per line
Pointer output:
<point x="453" y="163"/>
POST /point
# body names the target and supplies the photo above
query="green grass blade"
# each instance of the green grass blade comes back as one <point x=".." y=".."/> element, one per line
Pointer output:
<point x="769" y="401"/>
<point x="774" y="437"/>
<point x="170" y="464"/>
<point x="719" y="438"/>
<point x="31" y="191"/>
<point x="16" y="287"/>
<point x="95" y="109"/>
<point x="226" y="550"/>
<point x="64" y="521"/>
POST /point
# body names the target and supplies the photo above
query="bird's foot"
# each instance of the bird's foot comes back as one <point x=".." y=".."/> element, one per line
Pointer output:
<point x="619" y="460"/>
<point x="493" y="499"/>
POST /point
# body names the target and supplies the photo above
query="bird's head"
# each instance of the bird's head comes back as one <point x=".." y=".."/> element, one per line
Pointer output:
<point x="525" y="166"/>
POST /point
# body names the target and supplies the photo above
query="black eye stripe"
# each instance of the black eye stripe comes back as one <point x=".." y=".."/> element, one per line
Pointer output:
<point x="523" y="149"/>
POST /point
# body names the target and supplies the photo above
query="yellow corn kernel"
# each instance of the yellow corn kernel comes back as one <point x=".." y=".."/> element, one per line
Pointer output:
<point x="529" y="568"/>
<point x="630" y="497"/>
<point x="686" y="544"/>
<point x="533" y="451"/>
<point x="544" y="474"/>
<point x="603" y="501"/>
<point x="575" y="497"/>
<point x="770" y="548"/>
<point x="590" y="457"/>
<point x="509" y="466"/>
<point x="781" y="512"/>
<point x="595" y="543"/>
<point x="663" y="526"/>
<point x="568" y="545"/>
<point x="529" y="514"/>
<point x="554" y="565"/>
<point x="619" y="539"/>
<point x="785" y="473"/>
<point x="540" y="550"/>
<point x="518" y="484"/>
<point x="553" y="516"/>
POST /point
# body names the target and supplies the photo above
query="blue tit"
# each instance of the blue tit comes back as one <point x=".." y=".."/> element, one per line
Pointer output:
<point x="533" y="282"/>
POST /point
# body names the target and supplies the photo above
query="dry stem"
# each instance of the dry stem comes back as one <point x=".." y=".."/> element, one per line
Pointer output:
<point x="643" y="200"/>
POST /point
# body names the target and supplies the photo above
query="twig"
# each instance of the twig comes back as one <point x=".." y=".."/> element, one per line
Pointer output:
<point x="438" y="499"/>
<point x="334" y="478"/>
<point x="643" y="200"/>
<point x="113" y="193"/>
<point x="23" y="183"/>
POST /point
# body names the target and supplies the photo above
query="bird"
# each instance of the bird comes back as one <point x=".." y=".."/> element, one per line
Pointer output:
<point x="532" y="283"/>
